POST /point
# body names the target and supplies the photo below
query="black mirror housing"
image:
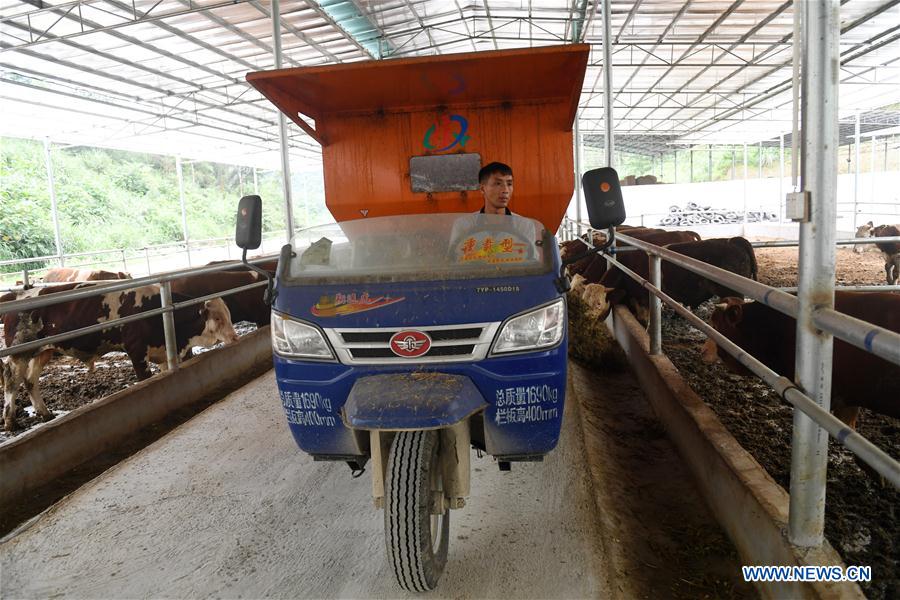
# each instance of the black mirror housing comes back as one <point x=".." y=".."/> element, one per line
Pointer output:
<point x="248" y="233"/>
<point x="603" y="195"/>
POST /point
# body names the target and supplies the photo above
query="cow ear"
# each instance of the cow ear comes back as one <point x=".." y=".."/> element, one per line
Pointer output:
<point x="734" y="313"/>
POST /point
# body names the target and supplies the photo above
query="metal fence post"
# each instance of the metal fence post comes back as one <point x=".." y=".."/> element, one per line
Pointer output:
<point x="608" y="84"/>
<point x="284" y="142"/>
<point x="858" y="138"/>
<point x="184" y="228"/>
<point x="809" y="447"/>
<point x="147" y="256"/>
<point x="124" y="261"/>
<point x="578" y="192"/>
<point x="655" y="306"/>
<point x="169" y="326"/>
<point x="25" y="278"/>
<point x="54" y="212"/>
<point x="745" y="191"/>
<point x="780" y="178"/>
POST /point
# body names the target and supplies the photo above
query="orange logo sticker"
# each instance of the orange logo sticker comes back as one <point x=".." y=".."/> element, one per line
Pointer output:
<point x="348" y="304"/>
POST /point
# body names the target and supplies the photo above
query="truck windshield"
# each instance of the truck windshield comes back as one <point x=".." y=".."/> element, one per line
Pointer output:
<point x="420" y="247"/>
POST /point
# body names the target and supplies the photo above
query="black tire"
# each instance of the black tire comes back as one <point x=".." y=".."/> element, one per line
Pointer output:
<point x="416" y="544"/>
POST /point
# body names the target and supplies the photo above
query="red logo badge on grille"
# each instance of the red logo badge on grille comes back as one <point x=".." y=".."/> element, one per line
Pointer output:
<point x="410" y="343"/>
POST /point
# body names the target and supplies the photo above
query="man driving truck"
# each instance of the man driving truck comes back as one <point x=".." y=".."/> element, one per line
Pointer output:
<point x="496" y="182"/>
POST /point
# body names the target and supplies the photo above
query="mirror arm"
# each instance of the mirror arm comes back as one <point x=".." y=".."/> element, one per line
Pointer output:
<point x="610" y="240"/>
<point x="270" y="294"/>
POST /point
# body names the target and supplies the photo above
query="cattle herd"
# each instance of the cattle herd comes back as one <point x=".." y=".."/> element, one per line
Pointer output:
<point x="859" y="379"/>
<point x="201" y="324"/>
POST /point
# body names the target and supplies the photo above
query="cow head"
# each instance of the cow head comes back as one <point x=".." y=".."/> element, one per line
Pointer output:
<point x="599" y="300"/>
<point x="218" y="322"/>
<point x="726" y="319"/>
<point x="864" y="231"/>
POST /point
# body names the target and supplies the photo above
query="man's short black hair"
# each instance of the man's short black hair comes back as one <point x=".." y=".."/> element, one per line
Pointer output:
<point x="491" y="168"/>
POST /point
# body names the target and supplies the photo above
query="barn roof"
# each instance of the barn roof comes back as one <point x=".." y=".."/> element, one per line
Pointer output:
<point x="168" y="76"/>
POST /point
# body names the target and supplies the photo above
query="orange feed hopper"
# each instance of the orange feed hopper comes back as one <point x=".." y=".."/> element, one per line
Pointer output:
<point x="375" y="119"/>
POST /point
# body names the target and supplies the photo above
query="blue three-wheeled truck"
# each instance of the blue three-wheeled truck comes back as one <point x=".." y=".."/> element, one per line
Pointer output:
<point x="416" y="328"/>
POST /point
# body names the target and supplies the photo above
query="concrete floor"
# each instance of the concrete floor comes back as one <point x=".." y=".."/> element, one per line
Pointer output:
<point x="227" y="506"/>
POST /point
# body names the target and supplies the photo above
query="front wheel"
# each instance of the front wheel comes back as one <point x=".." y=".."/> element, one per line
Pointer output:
<point x="416" y="531"/>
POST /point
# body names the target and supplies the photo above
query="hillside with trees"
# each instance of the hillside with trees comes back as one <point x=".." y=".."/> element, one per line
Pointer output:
<point x="110" y="199"/>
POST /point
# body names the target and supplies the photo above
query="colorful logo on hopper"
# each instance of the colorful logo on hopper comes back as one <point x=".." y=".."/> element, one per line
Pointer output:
<point x="348" y="304"/>
<point x="410" y="343"/>
<point x="446" y="132"/>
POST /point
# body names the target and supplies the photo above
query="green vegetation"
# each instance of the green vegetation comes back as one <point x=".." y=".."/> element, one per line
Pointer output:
<point x="112" y="199"/>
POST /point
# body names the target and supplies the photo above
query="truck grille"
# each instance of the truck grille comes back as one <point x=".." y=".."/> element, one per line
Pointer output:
<point x="449" y="343"/>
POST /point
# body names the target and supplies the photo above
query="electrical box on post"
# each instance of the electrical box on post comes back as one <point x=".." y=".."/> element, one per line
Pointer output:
<point x="796" y="206"/>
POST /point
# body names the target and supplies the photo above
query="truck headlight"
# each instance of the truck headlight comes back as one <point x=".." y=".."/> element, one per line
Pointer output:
<point x="295" y="339"/>
<point x="536" y="329"/>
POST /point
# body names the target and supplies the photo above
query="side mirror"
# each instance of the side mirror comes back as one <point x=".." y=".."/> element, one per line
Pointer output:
<point x="603" y="196"/>
<point x="248" y="233"/>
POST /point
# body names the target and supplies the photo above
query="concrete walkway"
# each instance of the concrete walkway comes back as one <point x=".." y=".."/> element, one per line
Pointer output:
<point x="227" y="506"/>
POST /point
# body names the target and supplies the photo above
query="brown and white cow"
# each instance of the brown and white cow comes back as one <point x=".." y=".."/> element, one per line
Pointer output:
<point x="731" y="254"/>
<point x="890" y="250"/>
<point x="67" y="275"/>
<point x="859" y="379"/>
<point x="143" y="340"/>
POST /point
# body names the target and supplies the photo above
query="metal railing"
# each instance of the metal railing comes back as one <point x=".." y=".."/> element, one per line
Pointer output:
<point x="847" y="242"/>
<point x="876" y="340"/>
<point x="166" y="310"/>
<point x="128" y="257"/>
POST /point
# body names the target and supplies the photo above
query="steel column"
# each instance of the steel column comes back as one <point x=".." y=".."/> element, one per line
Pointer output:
<point x="872" y="168"/>
<point x="165" y="294"/>
<point x="608" y="82"/>
<point x="781" y="178"/>
<point x="655" y="325"/>
<point x="255" y="182"/>
<point x="809" y="448"/>
<point x="746" y="174"/>
<point x="282" y="127"/>
<point x="759" y="162"/>
<point x="184" y="227"/>
<point x="51" y="188"/>
<point x="856" y="173"/>
<point x="733" y="163"/>
<point x="578" y="193"/>
<point x="691" y="157"/>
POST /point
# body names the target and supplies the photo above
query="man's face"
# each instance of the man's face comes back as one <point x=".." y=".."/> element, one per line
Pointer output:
<point x="497" y="192"/>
